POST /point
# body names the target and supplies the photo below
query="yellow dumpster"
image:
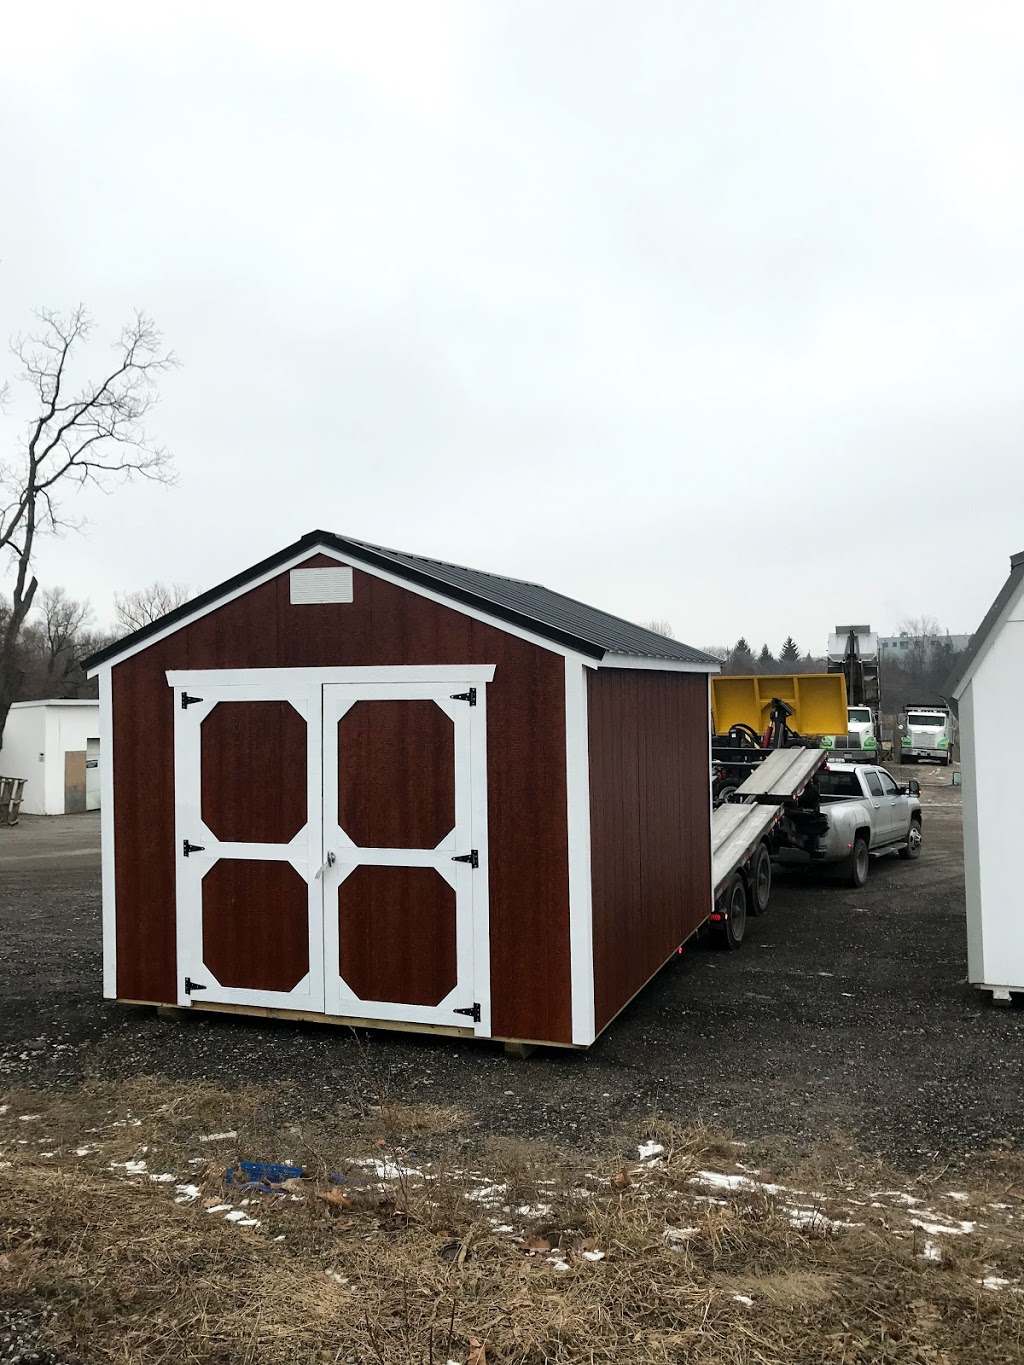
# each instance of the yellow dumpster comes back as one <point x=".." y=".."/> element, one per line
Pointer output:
<point x="818" y="701"/>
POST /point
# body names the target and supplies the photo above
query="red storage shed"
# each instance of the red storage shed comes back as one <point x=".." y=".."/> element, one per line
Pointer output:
<point x="357" y="784"/>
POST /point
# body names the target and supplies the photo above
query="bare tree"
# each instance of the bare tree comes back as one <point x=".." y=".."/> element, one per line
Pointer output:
<point x="660" y="628"/>
<point x="62" y="623"/>
<point x="83" y="432"/>
<point x="133" y="610"/>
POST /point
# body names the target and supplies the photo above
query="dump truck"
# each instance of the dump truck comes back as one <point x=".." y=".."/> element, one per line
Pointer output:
<point x="853" y="654"/>
<point x="927" y="734"/>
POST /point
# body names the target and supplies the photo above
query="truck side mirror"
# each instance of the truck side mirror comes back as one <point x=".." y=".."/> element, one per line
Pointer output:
<point x="914" y="787"/>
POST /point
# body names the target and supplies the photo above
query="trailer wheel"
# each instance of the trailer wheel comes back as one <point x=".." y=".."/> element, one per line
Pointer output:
<point x="734" y="905"/>
<point x="912" y="848"/>
<point x="859" y="861"/>
<point x="760" y="881"/>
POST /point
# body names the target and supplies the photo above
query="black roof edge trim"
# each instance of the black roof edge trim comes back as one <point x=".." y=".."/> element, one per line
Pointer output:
<point x="328" y="540"/>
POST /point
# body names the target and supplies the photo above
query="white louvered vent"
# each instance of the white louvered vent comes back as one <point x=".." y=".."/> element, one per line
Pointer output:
<point x="321" y="585"/>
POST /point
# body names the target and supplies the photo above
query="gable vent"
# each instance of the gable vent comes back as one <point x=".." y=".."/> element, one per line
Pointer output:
<point x="321" y="585"/>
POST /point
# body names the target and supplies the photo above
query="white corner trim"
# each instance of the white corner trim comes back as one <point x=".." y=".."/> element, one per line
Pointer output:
<point x="352" y="561"/>
<point x="107" y="834"/>
<point x="656" y="665"/>
<point x="399" y="673"/>
<point x="711" y="804"/>
<point x="581" y="909"/>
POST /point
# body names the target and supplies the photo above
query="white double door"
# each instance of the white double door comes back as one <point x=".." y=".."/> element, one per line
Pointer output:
<point x="331" y="846"/>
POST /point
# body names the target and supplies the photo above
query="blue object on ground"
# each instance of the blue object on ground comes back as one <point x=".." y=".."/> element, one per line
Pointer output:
<point x="260" y="1174"/>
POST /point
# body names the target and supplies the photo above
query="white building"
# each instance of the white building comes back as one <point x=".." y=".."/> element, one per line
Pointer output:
<point x="985" y="692"/>
<point x="903" y="647"/>
<point x="55" y="746"/>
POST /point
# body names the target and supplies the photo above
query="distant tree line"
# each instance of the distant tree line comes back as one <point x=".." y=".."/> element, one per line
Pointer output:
<point x="741" y="659"/>
<point x="59" y="633"/>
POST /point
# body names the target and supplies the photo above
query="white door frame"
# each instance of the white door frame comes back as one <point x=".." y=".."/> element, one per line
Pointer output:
<point x="304" y="852"/>
<point x="469" y="832"/>
<point x="307" y="684"/>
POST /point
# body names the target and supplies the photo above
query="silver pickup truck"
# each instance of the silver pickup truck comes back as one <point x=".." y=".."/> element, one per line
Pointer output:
<point x="868" y="813"/>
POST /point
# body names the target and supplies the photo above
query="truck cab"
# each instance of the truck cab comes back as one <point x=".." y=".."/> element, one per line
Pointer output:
<point x="927" y="734"/>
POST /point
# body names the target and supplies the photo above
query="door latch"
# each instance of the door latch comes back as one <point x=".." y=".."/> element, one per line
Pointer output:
<point x="329" y="861"/>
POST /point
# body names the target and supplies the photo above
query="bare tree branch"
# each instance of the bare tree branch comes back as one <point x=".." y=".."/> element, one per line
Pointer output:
<point x="84" y="432"/>
<point x="132" y="610"/>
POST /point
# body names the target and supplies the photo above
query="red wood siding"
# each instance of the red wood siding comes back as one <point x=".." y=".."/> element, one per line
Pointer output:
<point x="650" y="823"/>
<point x="383" y="625"/>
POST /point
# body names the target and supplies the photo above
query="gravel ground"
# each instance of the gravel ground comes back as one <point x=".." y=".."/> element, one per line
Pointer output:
<point x="846" y="1011"/>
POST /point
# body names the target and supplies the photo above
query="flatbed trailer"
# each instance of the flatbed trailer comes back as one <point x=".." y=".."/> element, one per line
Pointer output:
<point x="741" y="830"/>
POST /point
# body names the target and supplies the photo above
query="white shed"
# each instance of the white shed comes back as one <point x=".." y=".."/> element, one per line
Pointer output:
<point x="55" y="746"/>
<point x="985" y="693"/>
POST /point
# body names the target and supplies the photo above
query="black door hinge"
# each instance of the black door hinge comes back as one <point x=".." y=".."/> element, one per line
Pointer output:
<point x="469" y="696"/>
<point x="473" y="858"/>
<point x="191" y="986"/>
<point x="472" y="1010"/>
<point x="192" y="848"/>
<point x="187" y="701"/>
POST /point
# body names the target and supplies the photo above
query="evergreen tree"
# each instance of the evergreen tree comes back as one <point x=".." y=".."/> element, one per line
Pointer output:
<point x="741" y="657"/>
<point x="790" y="652"/>
<point x="765" y="660"/>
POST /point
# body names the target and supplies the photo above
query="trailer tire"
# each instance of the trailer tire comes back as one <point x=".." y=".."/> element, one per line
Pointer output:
<point x="760" y="881"/>
<point x="859" y="862"/>
<point x="734" y="903"/>
<point x="912" y="848"/>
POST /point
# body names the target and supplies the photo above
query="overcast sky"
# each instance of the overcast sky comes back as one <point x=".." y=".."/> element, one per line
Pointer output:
<point x="705" y="311"/>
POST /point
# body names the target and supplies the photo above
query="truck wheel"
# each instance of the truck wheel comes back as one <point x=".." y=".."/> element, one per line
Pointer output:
<point x="912" y="848"/>
<point x="760" y="880"/>
<point x="859" y="861"/>
<point x="734" y="904"/>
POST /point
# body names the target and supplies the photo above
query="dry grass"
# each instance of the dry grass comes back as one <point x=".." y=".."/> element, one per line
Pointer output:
<point x="417" y="1268"/>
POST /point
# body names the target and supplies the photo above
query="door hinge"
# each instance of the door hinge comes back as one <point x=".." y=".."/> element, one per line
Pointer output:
<point x="473" y="858"/>
<point x="188" y="848"/>
<point x="187" y="701"/>
<point x="472" y="1010"/>
<point x="191" y="986"/>
<point x="469" y="696"/>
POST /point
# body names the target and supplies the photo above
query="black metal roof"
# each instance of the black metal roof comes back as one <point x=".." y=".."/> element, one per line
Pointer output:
<point x="980" y="637"/>
<point x="530" y="606"/>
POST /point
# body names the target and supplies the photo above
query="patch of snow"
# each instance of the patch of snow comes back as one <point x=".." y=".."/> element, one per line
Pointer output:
<point x="187" y="1193"/>
<point x="338" y="1279"/>
<point x="558" y="1263"/>
<point x="593" y="1255"/>
<point x="218" y="1208"/>
<point x="956" y="1194"/>
<point x="649" y="1149"/>
<point x="47" y="1153"/>
<point x="166" y="1178"/>
<point x="4" y="1108"/>
<point x="952" y="1228"/>
<point x="734" y="1182"/>
<point x="900" y="1196"/>
<point x="487" y="1193"/>
<point x="84" y="1151"/>
<point x="503" y="1227"/>
<point x="930" y="1252"/>
<point x="814" y="1218"/>
<point x="709" y="1199"/>
<point x="745" y="1298"/>
<point x="28" y="1118"/>
<point x="386" y="1170"/>
<point x="994" y="1282"/>
<point x="676" y="1235"/>
<point x="235" y="1216"/>
<point x="219" y="1137"/>
<point x="132" y="1167"/>
<point x="533" y="1211"/>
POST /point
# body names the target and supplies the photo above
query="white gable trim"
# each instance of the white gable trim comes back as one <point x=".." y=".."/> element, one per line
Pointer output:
<point x="431" y="596"/>
<point x="1010" y="612"/>
<point x="581" y="905"/>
